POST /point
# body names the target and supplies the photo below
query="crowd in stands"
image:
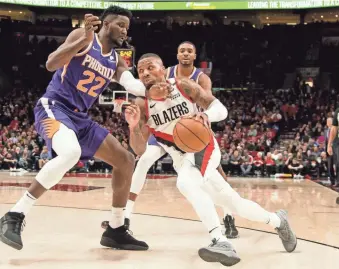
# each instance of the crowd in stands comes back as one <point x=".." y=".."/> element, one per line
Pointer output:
<point x="249" y="138"/>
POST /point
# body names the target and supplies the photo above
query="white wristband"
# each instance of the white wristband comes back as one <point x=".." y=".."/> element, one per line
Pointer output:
<point x="132" y="85"/>
<point x="216" y="111"/>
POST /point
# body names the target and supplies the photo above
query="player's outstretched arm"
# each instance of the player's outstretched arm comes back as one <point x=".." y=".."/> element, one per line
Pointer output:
<point x="214" y="109"/>
<point x="205" y="83"/>
<point x="127" y="80"/>
<point x="76" y="41"/>
<point x="139" y="133"/>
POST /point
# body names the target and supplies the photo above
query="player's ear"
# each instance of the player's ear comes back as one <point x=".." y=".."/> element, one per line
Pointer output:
<point x="105" y="24"/>
<point x="163" y="69"/>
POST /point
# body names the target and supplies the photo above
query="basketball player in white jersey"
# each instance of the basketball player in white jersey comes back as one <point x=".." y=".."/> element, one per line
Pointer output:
<point x="184" y="69"/>
<point x="196" y="171"/>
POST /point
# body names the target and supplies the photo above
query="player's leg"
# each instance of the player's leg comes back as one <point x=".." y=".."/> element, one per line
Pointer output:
<point x="336" y="165"/>
<point x="113" y="153"/>
<point x="153" y="153"/>
<point x="65" y="143"/>
<point x="229" y="222"/>
<point x="189" y="183"/>
<point x="225" y="195"/>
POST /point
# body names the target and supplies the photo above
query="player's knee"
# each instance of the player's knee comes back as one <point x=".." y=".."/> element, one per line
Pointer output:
<point x="71" y="156"/>
<point x="74" y="154"/>
<point x="126" y="161"/>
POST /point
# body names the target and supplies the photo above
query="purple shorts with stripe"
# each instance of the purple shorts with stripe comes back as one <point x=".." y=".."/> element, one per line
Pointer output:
<point x="90" y="134"/>
<point x="153" y="141"/>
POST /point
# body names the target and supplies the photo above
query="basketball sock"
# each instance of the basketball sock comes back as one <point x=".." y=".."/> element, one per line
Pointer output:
<point x="129" y="209"/>
<point x="217" y="234"/>
<point x="118" y="218"/>
<point x="25" y="204"/>
<point x="274" y="220"/>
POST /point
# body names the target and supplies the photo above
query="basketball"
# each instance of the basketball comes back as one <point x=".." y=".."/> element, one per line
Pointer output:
<point x="191" y="135"/>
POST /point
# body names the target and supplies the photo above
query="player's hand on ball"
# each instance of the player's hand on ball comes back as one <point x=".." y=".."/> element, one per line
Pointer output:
<point x="91" y="24"/>
<point x="160" y="91"/>
<point x="132" y="115"/>
<point x="200" y="116"/>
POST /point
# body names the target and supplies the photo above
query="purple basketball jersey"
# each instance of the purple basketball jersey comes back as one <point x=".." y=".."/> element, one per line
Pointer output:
<point x="79" y="83"/>
<point x="172" y="73"/>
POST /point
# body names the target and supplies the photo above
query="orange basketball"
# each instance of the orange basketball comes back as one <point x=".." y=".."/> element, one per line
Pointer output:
<point x="191" y="135"/>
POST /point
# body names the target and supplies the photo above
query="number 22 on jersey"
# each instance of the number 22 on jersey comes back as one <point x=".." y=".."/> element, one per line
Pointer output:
<point x="81" y="86"/>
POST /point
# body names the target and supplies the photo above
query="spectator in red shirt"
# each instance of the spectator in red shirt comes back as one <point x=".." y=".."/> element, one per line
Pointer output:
<point x="14" y="125"/>
<point x="258" y="164"/>
<point x="270" y="164"/>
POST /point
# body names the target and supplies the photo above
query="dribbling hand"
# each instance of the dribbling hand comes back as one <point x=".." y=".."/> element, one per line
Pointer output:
<point x="160" y="91"/>
<point x="200" y="116"/>
<point x="91" y="25"/>
<point x="132" y="115"/>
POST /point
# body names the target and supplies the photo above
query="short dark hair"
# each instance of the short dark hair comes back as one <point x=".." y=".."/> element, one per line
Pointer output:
<point x="116" y="10"/>
<point x="187" y="42"/>
<point x="149" y="55"/>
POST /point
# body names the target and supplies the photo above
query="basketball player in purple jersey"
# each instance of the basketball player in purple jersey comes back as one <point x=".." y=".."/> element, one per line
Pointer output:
<point x="185" y="68"/>
<point x="85" y="64"/>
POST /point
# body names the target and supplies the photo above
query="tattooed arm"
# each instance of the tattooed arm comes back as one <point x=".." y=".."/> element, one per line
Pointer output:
<point x="197" y="94"/>
<point x="139" y="133"/>
<point x="214" y="109"/>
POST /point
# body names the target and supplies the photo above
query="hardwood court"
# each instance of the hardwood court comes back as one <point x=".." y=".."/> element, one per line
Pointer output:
<point x="63" y="230"/>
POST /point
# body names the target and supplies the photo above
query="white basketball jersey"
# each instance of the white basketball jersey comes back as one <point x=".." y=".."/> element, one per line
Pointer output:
<point x="163" y="115"/>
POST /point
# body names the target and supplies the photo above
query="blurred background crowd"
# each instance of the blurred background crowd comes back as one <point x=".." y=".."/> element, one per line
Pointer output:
<point x="278" y="82"/>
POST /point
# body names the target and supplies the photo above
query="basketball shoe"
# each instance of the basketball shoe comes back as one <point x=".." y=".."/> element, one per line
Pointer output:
<point x="11" y="226"/>
<point x="231" y="231"/>
<point x="120" y="238"/>
<point x="285" y="232"/>
<point x="222" y="252"/>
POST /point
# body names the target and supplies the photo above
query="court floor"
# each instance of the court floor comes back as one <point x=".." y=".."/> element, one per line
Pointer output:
<point x="63" y="230"/>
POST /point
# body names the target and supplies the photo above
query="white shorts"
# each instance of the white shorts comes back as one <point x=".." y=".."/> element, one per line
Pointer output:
<point x="206" y="160"/>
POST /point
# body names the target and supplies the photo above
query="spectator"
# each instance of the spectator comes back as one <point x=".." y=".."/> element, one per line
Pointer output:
<point x="279" y="163"/>
<point x="235" y="162"/>
<point x="258" y="164"/>
<point x="252" y="131"/>
<point x="10" y="162"/>
<point x="44" y="157"/>
<point x="270" y="164"/>
<point x="295" y="168"/>
<point x="24" y="161"/>
<point x="246" y="163"/>
<point x="313" y="170"/>
<point x="225" y="160"/>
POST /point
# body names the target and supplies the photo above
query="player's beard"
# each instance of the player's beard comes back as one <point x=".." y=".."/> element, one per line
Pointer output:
<point x="186" y="64"/>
